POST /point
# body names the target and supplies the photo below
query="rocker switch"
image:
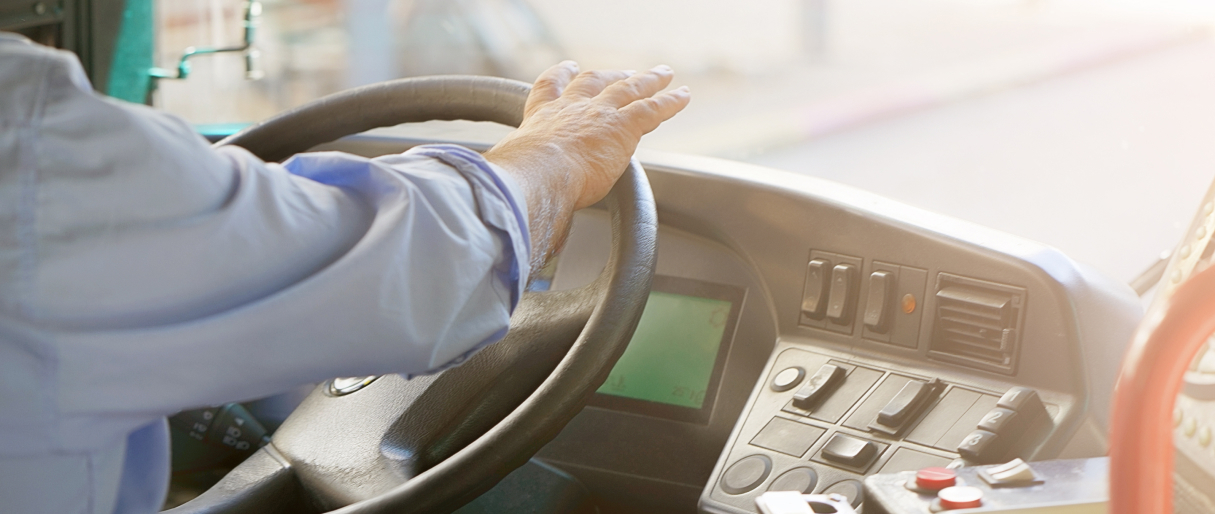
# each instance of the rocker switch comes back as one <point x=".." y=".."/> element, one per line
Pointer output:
<point x="825" y="380"/>
<point x="839" y="308"/>
<point x="877" y="305"/>
<point x="906" y="404"/>
<point x="814" y="298"/>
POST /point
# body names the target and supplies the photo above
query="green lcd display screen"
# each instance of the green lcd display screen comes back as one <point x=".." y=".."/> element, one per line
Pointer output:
<point x="673" y="364"/>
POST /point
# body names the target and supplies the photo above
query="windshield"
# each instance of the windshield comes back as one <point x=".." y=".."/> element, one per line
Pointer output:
<point x="1085" y="125"/>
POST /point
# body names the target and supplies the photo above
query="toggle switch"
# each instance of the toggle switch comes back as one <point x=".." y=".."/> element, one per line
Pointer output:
<point x="1015" y="473"/>
<point x="878" y="303"/>
<point x="814" y="296"/>
<point x="824" y="381"/>
<point x="841" y="300"/>
<point x="908" y="402"/>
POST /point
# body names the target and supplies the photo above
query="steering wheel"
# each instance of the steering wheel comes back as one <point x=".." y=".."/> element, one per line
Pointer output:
<point x="432" y="443"/>
<point x="1141" y="426"/>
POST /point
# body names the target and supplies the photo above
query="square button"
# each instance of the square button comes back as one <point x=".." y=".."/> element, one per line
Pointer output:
<point x="849" y="452"/>
<point x="787" y="437"/>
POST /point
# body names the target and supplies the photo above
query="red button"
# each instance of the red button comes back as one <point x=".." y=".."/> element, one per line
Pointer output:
<point x="935" y="478"/>
<point x="960" y="497"/>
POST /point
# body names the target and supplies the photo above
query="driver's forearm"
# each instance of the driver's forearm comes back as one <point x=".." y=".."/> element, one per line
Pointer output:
<point x="550" y="196"/>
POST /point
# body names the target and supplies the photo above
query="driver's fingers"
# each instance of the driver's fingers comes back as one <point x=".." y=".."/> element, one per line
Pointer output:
<point x="641" y="85"/>
<point x="549" y="85"/>
<point x="590" y="83"/>
<point x="646" y="114"/>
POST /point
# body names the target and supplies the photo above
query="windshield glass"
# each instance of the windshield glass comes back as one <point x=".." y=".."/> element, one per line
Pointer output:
<point x="1085" y="125"/>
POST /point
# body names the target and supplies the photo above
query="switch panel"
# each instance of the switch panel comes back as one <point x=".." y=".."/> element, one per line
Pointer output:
<point x="831" y="292"/>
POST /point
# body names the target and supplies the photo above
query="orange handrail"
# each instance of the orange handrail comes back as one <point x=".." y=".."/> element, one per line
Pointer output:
<point x="1141" y="428"/>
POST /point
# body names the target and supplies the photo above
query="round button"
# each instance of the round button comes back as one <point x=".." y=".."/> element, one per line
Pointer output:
<point x="935" y="479"/>
<point x="1191" y="426"/>
<point x="788" y="378"/>
<point x="850" y="489"/>
<point x="1204" y="437"/>
<point x="797" y="479"/>
<point x="746" y="474"/>
<point x="960" y="497"/>
<point x="908" y="303"/>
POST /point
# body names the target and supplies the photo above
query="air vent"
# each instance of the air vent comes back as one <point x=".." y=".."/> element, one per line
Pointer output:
<point x="977" y="323"/>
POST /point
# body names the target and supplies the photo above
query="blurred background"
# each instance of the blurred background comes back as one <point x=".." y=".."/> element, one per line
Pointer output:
<point x="1083" y="124"/>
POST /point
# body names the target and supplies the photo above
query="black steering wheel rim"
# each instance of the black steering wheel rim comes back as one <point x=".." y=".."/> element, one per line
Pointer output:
<point x="614" y="302"/>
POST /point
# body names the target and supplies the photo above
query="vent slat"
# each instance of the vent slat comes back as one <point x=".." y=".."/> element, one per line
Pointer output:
<point x="975" y="323"/>
<point x="974" y="297"/>
<point x="975" y="312"/>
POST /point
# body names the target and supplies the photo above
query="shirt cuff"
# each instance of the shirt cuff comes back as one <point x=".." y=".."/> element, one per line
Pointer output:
<point x="501" y="203"/>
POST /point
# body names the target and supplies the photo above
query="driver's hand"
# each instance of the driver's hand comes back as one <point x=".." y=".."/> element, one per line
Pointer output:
<point x="579" y="130"/>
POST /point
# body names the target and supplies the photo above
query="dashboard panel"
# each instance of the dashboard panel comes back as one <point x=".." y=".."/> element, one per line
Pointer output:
<point x="916" y="328"/>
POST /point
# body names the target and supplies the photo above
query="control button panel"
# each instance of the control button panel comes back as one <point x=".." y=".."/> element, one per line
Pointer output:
<point x="831" y="291"/>
<point x="842" y="293"/>
<point x="842" y="420"/>
<point x="1018" y="420"/>
<point x="1078" y="485"/>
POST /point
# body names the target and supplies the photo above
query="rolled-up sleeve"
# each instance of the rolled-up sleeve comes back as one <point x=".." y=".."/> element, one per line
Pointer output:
<point x="432" y="261"/>
<point x="143" y="271"/>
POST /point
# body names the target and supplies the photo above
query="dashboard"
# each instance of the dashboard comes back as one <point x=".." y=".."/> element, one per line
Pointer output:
<point x="802" y="335"/>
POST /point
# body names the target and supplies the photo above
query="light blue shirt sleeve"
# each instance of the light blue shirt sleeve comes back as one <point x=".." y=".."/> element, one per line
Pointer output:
<point x="143" y="272"/>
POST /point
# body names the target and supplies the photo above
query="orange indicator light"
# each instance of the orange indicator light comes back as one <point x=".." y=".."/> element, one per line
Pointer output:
<point x="908" y="303"/>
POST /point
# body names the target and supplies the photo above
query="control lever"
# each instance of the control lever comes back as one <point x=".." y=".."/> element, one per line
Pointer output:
<point x="909" y="401"/>
<point x="824" y="381"/>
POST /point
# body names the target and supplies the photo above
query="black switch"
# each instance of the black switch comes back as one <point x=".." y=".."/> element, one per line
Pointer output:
<point x="814" y="297"/>
<point x="849" y="451"/>
<point x="825" y="380"/>
<point x="999" y="421"/>
<point x="981" y="446"/>
<point x="908" y="402"/>
<point x="878" y="304"/>
<point x="840" y="304"/>
<point x="1022" y="399"/>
